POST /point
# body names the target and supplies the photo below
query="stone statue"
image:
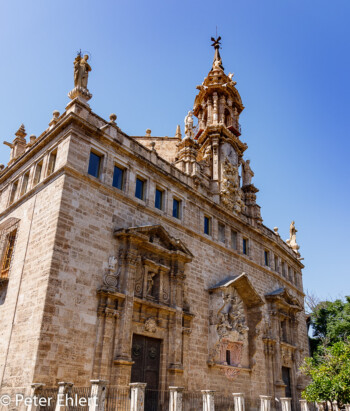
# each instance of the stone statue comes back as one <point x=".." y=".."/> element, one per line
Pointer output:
<point x="81" y="71"/>
<point x="189" y="125"/>
<point x="292" y="240"/>
<point x="150" y="283"/>
<point x="247" y="173"/>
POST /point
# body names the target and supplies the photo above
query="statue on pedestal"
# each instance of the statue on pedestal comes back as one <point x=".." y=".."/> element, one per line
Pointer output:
<point x="81" y="75"/>
<point x="81" y="71"/>
<point x="189" y="125"/>
<point x="292" y="240"/>
<point x="247" y="173"/>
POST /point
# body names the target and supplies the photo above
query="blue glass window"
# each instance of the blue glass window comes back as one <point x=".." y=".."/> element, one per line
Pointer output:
<point x="207" y="225"/>
<point x="245" y="246"/>
<point x="140" y="189"/>
<point x="159" y="199"/>
<point x="94" y="165"/>
<point x="176" y="208"/>
<point x="118" y="177"/>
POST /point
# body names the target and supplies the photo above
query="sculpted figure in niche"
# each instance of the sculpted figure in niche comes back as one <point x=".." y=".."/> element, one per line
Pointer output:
<point x="81" y="71"/>
<point x="231" y="315"/>
<point x="247" y="173"/>
<point x="150" y="283"/>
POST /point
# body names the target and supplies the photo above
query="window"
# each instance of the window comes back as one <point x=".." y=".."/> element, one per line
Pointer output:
<point x="25" y="183"/>
<point x="228" y="357"/>
<point x="221" y="232"/>
<point x="291" y="274"/>
<point x="234" y="239"/>
<point x="159" y="199"/>
<point x="284" y="269"/>
<point x="276" y="263"/>
<point x="37" y="175"/>
<point x="94" y="165"/>
<point x="207" y="225"/>
<point x="52" y="163"/>
<point x="7" y="256"/>
<point x="118" y="177"/>
<point x="13" y="192"/>
<point x="245" y="246"/>
<point x="140" y="188"/>
<point x="176" y="208"/>
<point x="266" y="258"/>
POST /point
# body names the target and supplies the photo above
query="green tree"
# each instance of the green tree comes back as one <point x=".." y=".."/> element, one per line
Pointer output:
<point x="329" y="371"/>
<point x="330" y="321"/>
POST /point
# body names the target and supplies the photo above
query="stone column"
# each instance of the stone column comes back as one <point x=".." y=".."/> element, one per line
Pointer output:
<point x="303" y="405"/>
<point x="320" y="406"/>
<point x="238" y="399"/>
<point x="265" y="402"/>
<point x="347" y="407"/>
<point x="123" y="360"/>
<point x="137" y="402"/>
<point x="63" y="389"/>
<point x="286" y="404"/>
<point x="34" y="390"/>
<point x="335" y="406"/>
<point x="175" y="398"/>
<point x="208" y="400"/>
<point x="98" y="395"/>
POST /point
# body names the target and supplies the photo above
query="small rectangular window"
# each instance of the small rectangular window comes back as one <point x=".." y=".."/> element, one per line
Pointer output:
<point x="228" y="357"/>
<point x="245" y="246"/>
<point x="52" y="163"/>
<point x="234" y="239"/>
<point x="7" y="256"/>
<point x="207" y="225"/>
<point x="221" y="232"/>
<point x="291" y="274"/>
<point x="284" y="269"/>
<point x="37" y="175"/>
<point x="266" y="258"/>
<point x="159" y="199"/>
<point x="13" y="192"/>
<point x="94" y="165"/>
<point x="176" y="208"/>
<point x="140" y="188"/>
<point x="118" y="177"/>
<point x="25" y="182"/>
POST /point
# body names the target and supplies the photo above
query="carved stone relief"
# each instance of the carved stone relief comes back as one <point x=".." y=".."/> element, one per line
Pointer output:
<point x="230" y="191"/>
<point x="151" y="325"/>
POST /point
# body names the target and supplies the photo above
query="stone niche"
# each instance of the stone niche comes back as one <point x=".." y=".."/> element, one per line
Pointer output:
<point x="234" y="315"/>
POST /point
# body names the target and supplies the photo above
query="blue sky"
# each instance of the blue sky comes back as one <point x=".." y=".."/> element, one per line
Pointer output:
<point x="291" y="61"/>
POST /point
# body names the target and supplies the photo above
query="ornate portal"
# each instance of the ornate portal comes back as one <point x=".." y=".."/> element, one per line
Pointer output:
<point x="234" y="316"/>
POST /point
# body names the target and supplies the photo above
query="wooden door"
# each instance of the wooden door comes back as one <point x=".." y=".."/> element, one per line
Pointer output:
<point x="146" y="357"/>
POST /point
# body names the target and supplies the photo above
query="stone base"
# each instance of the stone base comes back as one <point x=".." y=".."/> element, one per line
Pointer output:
<point x="80" y="93"/>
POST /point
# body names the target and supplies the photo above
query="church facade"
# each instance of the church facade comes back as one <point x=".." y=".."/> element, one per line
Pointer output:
<point x="145" y="259"/>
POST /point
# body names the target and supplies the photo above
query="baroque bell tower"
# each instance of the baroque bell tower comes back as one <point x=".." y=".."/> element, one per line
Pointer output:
<point x="217" y="143"/>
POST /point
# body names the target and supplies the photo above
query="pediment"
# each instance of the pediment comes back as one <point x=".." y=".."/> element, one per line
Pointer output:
<point x="155" y="236"/>
<point x="281" y="296"/>
<point x="244" y="288"/>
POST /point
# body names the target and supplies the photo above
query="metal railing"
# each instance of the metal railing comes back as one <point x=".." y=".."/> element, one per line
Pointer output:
<point x="117" y="399"/>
